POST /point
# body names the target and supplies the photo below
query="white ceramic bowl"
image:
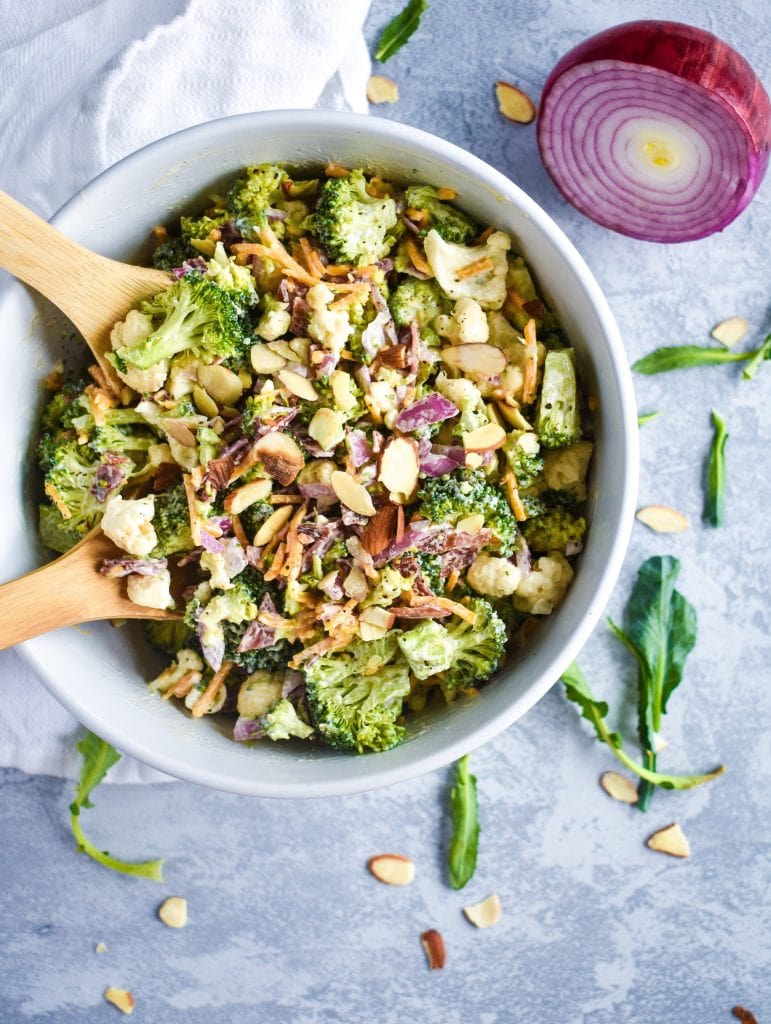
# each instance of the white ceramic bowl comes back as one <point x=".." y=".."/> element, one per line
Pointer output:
<point x="97" y="671"/>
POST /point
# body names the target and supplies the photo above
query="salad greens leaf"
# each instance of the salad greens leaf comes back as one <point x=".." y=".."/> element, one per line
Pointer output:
<point x="646" y="417"/>
<point x="595" y="711"/>
<point x="399" y="29"/>
<point x="764" y="352"/>
<point x="683" y="357"/>
<point x="714" y="500"/>
<point x="98" y="757"/>
<point x="462" y="858"/>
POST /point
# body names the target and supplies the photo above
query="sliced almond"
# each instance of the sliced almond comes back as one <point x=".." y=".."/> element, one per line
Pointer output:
<point x="121" y="998"/>
<point x="619" y="787"/>
<point x="368" y="631"/>
<point x="173" y="912"/>
<point x="472" y="523"/>
<point x="341" y="384"/>
<point x="475" y="359"/>
<point x="355" y="585"/>
<point x="298" y="385"/>
<point x="286" y="351"/>
<point x="433" y="946"/>
<point x="514" y="104"/>
<point x="326" y="429"/>
<point x="379" y="531"/>
<point x="662" y="519"/>
<point x="392" y="868"/>
<point x="222" y="384"/>
<point x="353" y="495"/>
<point x="204" y="403"/>
<point x="265" y="360"/>
<point x="399" y="468"/>
<point x="243" y="497"/>
<point x="670" y="840"/>
<point x="276" y="521"/>
<point x="486" y="913"/>
<point x="382" y="90"/>
<point x="280" y="455"/>
<point x="484" y="439"/>
<point x="181" y="433"/>
<point x="378" y="616"/>
<point x="731" y="331"/>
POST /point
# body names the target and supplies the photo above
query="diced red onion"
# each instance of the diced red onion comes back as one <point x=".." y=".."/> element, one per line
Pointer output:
<point x="316" y="491"/>
<point x="247" y="729"/>
<point x="423" y="611"/>
<point x="433" y="408"/>
<point x="656" y="129"/>
<point x="373" y="337"/>
<point x="358" y="447"/>
<point x="522" y="559"/>
<point x="256" y="637"/>
<point x="211" y="543"/>
<point x="293" y="687"/>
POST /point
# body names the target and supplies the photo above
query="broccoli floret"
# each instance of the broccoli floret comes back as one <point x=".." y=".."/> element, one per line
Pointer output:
<point x="431" y="571"/>
<point x="352" y="225"/>
<point x="237" y="281"/>
<point x="199" y="228"/>
<point x="254" y="515"/>
<point x="235" y="605"/>
<point x="114" y="437"/>
<point x="271" y="659"/>
<point x="171" y="521"/>
<point x="55" y="531"/>
<point x="168" y="635"/>
<point x="65" y="406"/>
<point x="446" y="499"/>
<point x="281" y="721"/>
<point x="193" y="314"/>
<point x="72" y="485"/>
<point x="429" y="648"/>
<point x="258" y="188"/>
<point x="422" y="301"/>
<point x="554" y="530"/>
<point x="355" y="695"/>
<point x="526" y="465"/>
<point x="172" y="253"/>
<point x="558" y="423"/>
<point x="450" y="223"/>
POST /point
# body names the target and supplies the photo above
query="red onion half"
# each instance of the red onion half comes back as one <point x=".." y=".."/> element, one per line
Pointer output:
<point x="655" y="129"/>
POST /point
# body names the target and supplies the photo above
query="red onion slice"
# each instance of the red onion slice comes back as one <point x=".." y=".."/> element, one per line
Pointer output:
<point x="657" y="130"/>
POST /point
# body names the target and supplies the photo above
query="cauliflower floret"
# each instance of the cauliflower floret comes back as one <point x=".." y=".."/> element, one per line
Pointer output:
<point x="128" y="522"/>
<point x="541" y="591"/>
<point x="135" y="328"/>
<point x="330" y="327"/>
<point x="461" y="392"/>
<point x="564" y="469"/>
<point x="467" y="325"/>
<point x="224" y="271"/>
<point x="496" y="577"/>
<point x="446" y="259"/>
<point x="150" y="591"/>
<point x="214" y="564"/>
<point x="274" y="323"/>
<point x="382" y="398"/>
<point x="258" y="692"/>
<point x="186" y="661"/>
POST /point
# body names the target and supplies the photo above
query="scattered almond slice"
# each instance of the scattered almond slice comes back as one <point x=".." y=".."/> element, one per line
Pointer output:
<point x="472" y="523"/>
<point x="514" y="104"/>
<point x="475" y="359"/>
<point x="355" y="585"/>
<point x="399" y="468"/>
<point x="265" y="360"/>
<point x="433" y="946"/>
<point x="619" y="787"/>
<point x="222" y="384"/>
<point x="392" y="868"/>
<point x="298" y="385"/>
<point x="378" y="616"/>
<point x="731" y="331"/>
<point x="670" y="840"/>
<point x="353" y="495"/>
<point x="121" y="998"/>
<point x="379" y="531"/>
<point x="662" y="519"/>
<point x="276" y="521"/>
<point x="180" y="432"/>
<point x="382" y="90"/>
<point x="484" y="439"/>
<point x="100" y="947"/>
<point x="281" y="456"/>
<point x="173" y="912"/>
<point x="486" y="913"/>
<point x="243" y="497"/>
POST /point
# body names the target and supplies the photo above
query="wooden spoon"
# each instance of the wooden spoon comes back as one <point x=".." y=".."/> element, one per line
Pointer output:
<point x="71" y="590"/>
<point x="93" y="291"/>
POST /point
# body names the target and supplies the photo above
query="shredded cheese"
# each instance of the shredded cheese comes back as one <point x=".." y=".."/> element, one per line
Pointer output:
<point x="206" y="699"/>
<point x="476" y="268"/>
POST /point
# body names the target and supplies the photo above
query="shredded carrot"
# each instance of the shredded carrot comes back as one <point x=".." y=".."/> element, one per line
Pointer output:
<point x="278" y="560"/>
<point x="160" y="234"/>
<point x="238" y="530"/>
<point x="337" y="269"/>
<point x="185" y="684"/>
<point x="514" y="298"/>
<point x="446" y="193"/>
<point x="195" y="524"/>
<point x="294" y="546"/>
<point x="593" y="403"/>
<point x="248" y="462"/>
<point x="418" y="259"/>
<point x="272" y="249"/>
<point x="512" y="493"/>
<point x="286" y="499"/>
<point x="530" y="368"/>
<point x="333" y="170"/>
<point x="369" y="271"/>
<point x="58" y="500"/>
<point x="242" y="259"/>
<point x="329" y="643"/>
<point x="476" y="268"/>
<point x="484" y="236"/>
<point x="452" y="581"/>
<point x="346" y="299"/>
<point x="347" y="286"/>
<point x="419" y="217"/>
<point x="206" y="699"/>
<point x="416" y="600"/>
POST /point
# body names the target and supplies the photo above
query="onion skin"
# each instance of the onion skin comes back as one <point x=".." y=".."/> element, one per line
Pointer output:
<point x="727" y="82"/>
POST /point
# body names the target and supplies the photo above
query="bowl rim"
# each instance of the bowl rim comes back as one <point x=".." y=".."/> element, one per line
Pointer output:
<point x="206" y="135"/>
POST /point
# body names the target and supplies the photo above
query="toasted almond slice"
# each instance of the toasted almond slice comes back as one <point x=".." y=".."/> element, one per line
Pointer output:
<point x="731" y="331"/>
<point x="481" y="361"/>
<point x="486" y="913"/>
<point x="173" y="912"/>
<point x="221" y="383"/>
<point x="355" y="584"/>
<point x="353" y="495"/>
<point x="280" y="455"/>
<point x="265" y="360"/>
<point x="298" y="385"/>
<point x="243" y="497"/>
<point x="379" y="531"/>
<point x="326" y="429"/>
<point x="392" y="868"/>
<point x="399" y="468"/>
<point x="670" y="840"/>
<point x="204" y="403"/>
<point x="180" y="432"/>
<point x="619" y="787"/>
<point x="285" y="350"/>
<point x="484" y="439"/>
<point x="433" y="946"/>
<point x="368" y="631"/>
<point x="275" y="522"/>
<point x="514" y="104"/>
<point x="382" y="90"/>
<point x="378" y="616"/>
<point x="662" y="519"/>
<point x="121" y="998"/>
<point x="472" y="523"/>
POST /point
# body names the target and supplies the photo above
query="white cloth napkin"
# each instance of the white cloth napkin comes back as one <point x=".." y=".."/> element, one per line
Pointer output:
<point x="83" y="83"/>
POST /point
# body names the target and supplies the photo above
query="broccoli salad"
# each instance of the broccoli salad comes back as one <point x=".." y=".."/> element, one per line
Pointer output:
<point x="355" y="426"/>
